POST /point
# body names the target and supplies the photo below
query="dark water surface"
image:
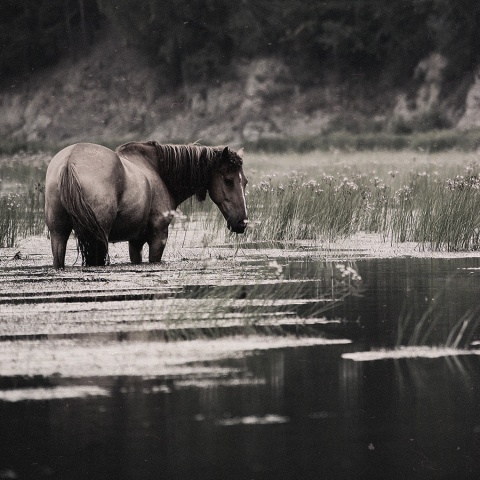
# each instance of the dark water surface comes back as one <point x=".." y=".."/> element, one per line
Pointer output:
<point x="288" y="413"/>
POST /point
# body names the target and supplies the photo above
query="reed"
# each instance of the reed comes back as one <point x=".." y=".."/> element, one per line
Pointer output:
<point x="438" y="210"/>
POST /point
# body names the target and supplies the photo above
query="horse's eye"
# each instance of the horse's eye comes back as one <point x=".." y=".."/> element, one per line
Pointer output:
<point x="228" y="182"/>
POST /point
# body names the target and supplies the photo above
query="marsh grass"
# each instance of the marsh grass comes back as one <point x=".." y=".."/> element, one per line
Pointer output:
<point x="433" y="201"/>
<point x="402" y="196"/>
<point x="22" y="196"/>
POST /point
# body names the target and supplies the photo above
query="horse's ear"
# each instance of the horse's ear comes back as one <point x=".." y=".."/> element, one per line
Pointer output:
<point x="240" y="153"/>
<point x="225" y="155"/>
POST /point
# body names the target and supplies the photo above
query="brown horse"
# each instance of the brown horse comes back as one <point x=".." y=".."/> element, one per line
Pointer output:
<point x="131" y="195"/>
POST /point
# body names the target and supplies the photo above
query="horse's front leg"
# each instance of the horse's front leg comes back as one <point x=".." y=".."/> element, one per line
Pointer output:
<point x="157" y="245"/>
<point x="135" y="251"/>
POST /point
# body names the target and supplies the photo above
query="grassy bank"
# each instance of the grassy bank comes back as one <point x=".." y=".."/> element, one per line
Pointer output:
<point x="431" y="141"/>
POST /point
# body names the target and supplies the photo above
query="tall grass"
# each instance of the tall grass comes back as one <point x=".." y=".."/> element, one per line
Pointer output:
<point x="21" y="215"/>
<point x="302" y="209"/>
<point x="435" y="203"/>
<point x="442" y="213"/>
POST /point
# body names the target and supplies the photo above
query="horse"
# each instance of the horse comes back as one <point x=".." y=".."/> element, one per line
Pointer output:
<point x="131" y="194"/>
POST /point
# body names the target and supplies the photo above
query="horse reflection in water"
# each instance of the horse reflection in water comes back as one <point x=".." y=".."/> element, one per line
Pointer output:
<point x="131" y="195"/>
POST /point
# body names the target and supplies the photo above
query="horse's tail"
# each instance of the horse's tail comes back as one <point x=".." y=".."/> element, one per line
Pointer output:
<point x="91" y="237"/>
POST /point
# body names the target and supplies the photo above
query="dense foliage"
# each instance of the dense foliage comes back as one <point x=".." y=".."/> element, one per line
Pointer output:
<point x="199" y="40"/>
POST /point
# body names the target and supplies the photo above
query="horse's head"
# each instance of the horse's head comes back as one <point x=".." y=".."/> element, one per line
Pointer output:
<point x="227" y="189"/>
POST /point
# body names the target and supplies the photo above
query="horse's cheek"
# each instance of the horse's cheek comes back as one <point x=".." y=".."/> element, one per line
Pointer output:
<point x="217" y="194"/>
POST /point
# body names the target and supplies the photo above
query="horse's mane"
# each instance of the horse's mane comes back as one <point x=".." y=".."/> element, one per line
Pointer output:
<point x="186" y="166"/>
<point x="189" y="164"/>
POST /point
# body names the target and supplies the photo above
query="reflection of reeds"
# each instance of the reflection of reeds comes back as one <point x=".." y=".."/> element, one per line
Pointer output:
<point x="271" y="306"/>
<point x="428" y="329"/>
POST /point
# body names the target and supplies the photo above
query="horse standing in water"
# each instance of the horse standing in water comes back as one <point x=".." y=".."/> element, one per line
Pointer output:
<point x="131" y="195"/>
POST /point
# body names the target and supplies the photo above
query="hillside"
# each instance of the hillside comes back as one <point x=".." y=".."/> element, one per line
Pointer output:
<point x="113" y="93"/>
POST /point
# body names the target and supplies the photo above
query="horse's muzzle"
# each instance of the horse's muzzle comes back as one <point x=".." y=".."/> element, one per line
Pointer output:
<point x="238" y="227"/>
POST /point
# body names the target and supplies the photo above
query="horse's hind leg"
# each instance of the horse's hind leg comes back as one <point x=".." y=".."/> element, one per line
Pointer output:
<point x="58" y="241"/>
<point x="60" y="227"/>
<point x="96" y="255"/>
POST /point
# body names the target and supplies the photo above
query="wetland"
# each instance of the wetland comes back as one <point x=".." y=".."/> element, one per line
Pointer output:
<point x="336" y="339"/>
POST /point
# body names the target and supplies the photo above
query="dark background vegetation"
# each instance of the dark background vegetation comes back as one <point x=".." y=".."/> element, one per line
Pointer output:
<point x="198" y="40"/>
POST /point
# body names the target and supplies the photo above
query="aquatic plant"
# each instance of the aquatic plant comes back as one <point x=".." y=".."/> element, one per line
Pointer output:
<point x="423" y="207"/>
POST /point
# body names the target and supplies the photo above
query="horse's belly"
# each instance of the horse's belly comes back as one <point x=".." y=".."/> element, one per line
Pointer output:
<point x="128" y="227"/>
<point x="133" y="210"/>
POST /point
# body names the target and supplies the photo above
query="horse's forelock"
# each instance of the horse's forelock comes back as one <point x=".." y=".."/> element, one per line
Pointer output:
<point x="230" y="160"/>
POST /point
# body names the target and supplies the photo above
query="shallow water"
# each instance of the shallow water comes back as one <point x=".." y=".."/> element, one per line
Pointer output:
<point x="263" y="380"/>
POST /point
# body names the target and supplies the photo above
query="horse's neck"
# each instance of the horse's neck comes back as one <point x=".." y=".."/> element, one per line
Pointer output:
<point x="180" y="193"/>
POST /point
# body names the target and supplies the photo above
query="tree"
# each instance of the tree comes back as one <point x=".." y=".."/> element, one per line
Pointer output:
<point x="36" y="33"/>
<point x="190" y="39"/>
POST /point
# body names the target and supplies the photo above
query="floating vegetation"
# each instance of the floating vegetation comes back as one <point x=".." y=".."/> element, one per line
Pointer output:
<point x="54" y="393"/>
<point x="270" y="419"/>
<point x="271" y="301"/>
<point x="407" y="352"/>
<point x="75" y="359"/>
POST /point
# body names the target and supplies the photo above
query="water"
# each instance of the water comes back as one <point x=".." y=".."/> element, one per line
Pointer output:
<point x="272" y="412"/>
